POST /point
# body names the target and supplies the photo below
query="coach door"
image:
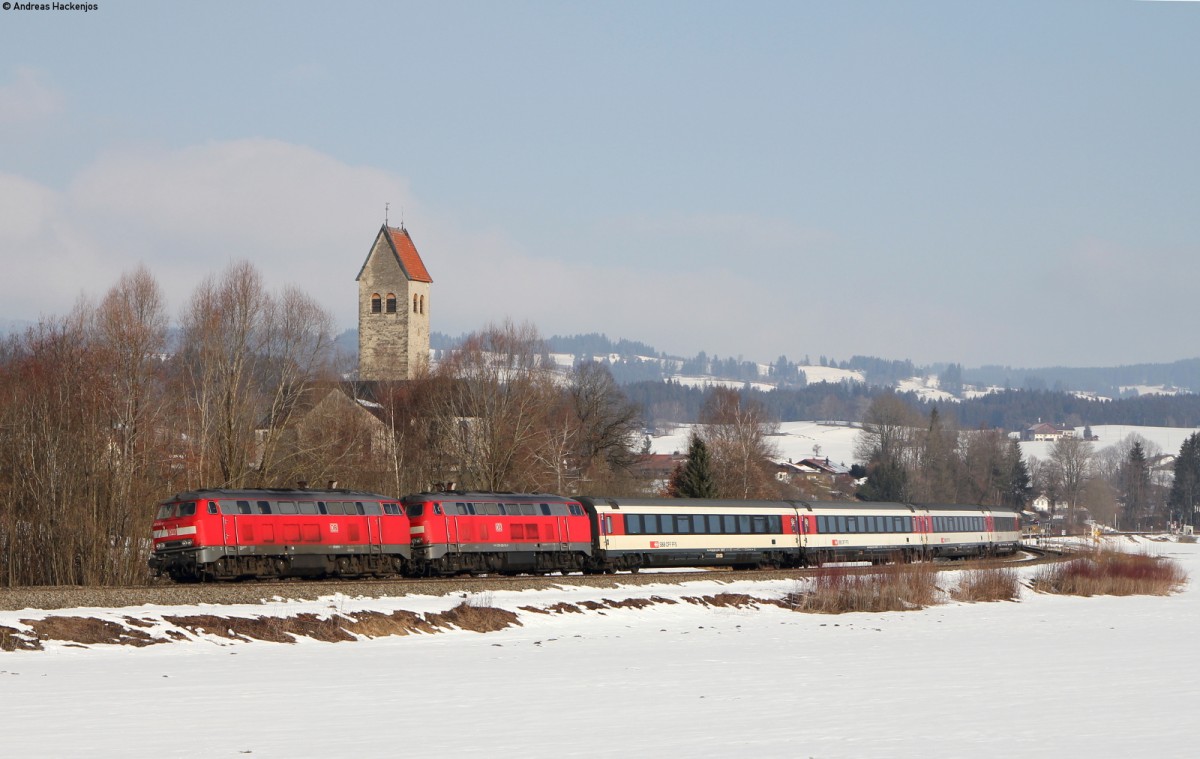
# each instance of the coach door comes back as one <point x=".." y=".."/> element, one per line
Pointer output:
<point x="803" y="532"/>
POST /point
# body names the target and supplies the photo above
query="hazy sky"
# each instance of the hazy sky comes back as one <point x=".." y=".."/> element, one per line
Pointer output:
<point x="1005" y="182"/>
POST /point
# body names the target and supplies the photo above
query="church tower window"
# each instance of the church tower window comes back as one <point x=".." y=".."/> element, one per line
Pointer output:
<point x="376" y="304"/>
<point x="391" y="303"/>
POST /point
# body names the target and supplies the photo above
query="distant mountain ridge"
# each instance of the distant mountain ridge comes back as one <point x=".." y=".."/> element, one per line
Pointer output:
<point x="635" y="361"/>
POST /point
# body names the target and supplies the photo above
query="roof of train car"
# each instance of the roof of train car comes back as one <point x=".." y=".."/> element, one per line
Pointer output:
<point x="716" y="503"/>
<point x="472" y="495"/>
<point x="260" y="493"/>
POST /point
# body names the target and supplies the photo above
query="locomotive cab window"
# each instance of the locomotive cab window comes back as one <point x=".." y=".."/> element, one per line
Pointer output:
<point x="415" y="509"/>
<point x="166" y="511"/>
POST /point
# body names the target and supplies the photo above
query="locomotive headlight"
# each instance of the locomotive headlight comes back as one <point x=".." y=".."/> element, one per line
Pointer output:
<point x="186" y="543"/>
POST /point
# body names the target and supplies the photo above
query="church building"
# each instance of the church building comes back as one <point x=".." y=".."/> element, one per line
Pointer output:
<point x="393" y="308"/>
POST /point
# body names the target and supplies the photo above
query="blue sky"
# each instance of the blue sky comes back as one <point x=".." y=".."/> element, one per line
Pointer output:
<point x="1011" y="183"/>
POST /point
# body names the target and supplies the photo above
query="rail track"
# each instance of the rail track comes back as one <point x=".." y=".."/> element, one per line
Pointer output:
<point x="277" y="591"/>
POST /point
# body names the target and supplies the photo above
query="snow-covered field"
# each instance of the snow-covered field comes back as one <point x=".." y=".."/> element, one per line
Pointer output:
<point x="795" y="440"/>
<point x="1045" y="676"/>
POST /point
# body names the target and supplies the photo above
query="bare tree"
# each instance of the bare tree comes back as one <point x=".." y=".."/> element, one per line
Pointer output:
<point x="1071" y="457"/>
<point x="492" y="412"/>
<point x="222" y="335"/>
<point x="297" y="352"/>
<point x="887" y="446"/>
<point x="736" y="432"/>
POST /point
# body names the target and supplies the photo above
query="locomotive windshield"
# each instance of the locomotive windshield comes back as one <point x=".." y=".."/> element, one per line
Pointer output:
<point x="415" y="509"/>
<point x="172" y="510"/>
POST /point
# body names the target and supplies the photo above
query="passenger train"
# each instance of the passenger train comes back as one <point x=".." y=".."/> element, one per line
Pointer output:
<point x="209" y="535"/>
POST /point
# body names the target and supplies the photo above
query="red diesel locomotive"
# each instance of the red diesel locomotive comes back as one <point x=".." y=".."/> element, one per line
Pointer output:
<point x="242" y="534"/>
<point x="499" y="532"/>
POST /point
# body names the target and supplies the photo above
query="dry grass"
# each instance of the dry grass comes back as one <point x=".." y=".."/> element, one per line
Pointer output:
<point x="12" y="639"/>
<point x="88" y="631"/>
<point x="1112" y="573"/>
<point x="477" y="618"/>
<point x="995" y="584"/>
<point x="895" y="588"/>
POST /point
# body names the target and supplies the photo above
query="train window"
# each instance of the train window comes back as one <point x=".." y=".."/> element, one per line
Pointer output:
<point x="607" y="524"/>
<point x="576" y="509"/>
<point x="373" y="509"/>
<point x="228" y="507"/>
<point x="336" y="507"/>
<point x="187" y="509"/>
<point x="650" y="522"/>
<point x="491" y="509"/>
<point x="308" y="507"/>
<point x="460" y="509"/>
<point x="503" y="510"/>
<point x="264" y="507"/>
<point x="775" y="524"/>
<point x="683" y="524"/>
<point x="841" y="525"/>
<point x="633" y="524"/>
<point x="390" y="508"/>
<point x="714" y="524"/>
<point x="212" y="507"/>
<point x="322" y="508"/>
<point x="546" y="509"/>
<point x="415" y="509"/>
<point x="512" y="509"/>
<point x="529" y="510"/>
<point x="166" y="511"/>
<point x="743" y="523"/>
<point x="287" y="507"/>
<point x="758" y="524"/>
<point x="821" y="525"/>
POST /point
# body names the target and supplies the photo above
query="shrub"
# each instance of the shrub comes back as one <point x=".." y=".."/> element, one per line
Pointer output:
<point x="1112" y="573"/>
<point x="996" y="584"/>
<point x="895" y="588"/>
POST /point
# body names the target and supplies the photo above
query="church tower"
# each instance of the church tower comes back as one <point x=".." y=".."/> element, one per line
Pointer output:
<point x="393" y="308"/>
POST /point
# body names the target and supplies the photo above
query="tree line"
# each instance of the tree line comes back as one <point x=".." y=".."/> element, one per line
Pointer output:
<point x="110" y="409"/>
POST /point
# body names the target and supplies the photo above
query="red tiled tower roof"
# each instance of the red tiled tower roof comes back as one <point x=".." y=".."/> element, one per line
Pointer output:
<point x="406" y="252"/>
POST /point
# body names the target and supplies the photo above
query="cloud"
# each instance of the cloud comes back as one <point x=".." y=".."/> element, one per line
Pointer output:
<point x="300" y="216"/>
<point x="27" y="97"/>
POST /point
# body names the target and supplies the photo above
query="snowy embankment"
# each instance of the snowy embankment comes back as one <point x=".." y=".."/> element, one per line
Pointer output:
<point x="1045" y="676"/>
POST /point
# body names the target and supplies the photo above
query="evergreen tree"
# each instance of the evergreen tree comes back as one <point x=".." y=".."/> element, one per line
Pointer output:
<point x="694" y="478"/>
<point x="1135" y="477"/>
<point x="1020" y="485"/>
<point x="1185" y="491"/>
